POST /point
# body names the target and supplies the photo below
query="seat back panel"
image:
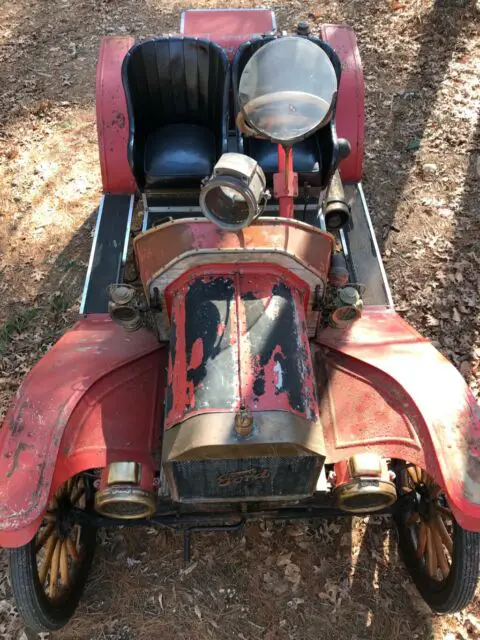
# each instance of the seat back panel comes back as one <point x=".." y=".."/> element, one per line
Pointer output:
<point x="170" y="81"/>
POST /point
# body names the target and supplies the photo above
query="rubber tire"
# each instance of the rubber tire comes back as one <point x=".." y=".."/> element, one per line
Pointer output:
<point x="456" y="592"/>
<point x="38" y="613"/>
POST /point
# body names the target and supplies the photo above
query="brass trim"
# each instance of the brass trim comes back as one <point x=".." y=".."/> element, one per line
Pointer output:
<point x="123" y="473"/>
<point x="213" y="435"/>
<point x="362" y="488"/>
<point x="367" y="464"/>
<point x="121" y="495"/>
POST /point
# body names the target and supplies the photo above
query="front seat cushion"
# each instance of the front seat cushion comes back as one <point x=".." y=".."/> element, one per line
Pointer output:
<point x="180" y="154"/>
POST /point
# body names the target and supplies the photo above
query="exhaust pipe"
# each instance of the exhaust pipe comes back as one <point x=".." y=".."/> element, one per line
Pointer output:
<point x="126" y="492"/>
<point x="363" y="484"/>
<point x="337" y="210"/>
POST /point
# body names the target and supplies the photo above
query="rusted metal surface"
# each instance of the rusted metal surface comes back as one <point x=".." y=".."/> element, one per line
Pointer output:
<point x="350" y="112"/>
<point x="164" y="246"/>
<point x="274" y="433"/>
<point x="384" y="388"/>
<point x="227" y="27"/>
<point x="169" y="251"/>
<point x="239" y="342"/>
<point x="93" y="398"/>
<point x="112" y="117"/>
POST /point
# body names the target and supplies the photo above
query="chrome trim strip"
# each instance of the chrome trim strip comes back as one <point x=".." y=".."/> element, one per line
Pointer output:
<point x="175" y="209"/>
<point x="344" y="243"/>
<point x="197" y="209"/>
<point x="127" y="230"/>
<point x="145" y="221"/>
<point x="274" y="21"/>
<point x="321" y="220"/>
<point x="92" y="255"/>
<point x="375" y="244"/>
<point x="145" y="213"/>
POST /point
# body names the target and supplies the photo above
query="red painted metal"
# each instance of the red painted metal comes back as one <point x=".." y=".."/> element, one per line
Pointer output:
<point x="94" y="398"/>
<point x="112" y="117"/>
<point x="242" y="366"/>
<point x="285" y="183"/>
<point x="350" y="114"/>
<point x="384" y="388"/>
<point x="228" y="27"/>
<point x="160" y="247"/>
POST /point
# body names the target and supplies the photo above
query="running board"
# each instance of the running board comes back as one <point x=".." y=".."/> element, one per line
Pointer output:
<point x="362" y="254"/>
<point x="109" y="251"/>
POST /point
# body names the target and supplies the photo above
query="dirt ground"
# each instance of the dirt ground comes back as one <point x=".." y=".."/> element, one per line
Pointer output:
<point x="339" y="579"/>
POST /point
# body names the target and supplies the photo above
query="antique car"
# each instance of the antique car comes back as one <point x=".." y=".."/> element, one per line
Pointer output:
<point x="253" y="367"/>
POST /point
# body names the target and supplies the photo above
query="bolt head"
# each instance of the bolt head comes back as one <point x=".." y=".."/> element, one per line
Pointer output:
<point x="303" y="28"/>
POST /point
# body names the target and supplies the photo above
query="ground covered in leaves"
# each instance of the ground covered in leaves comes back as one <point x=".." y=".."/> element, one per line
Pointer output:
<point x="422" y="178"/>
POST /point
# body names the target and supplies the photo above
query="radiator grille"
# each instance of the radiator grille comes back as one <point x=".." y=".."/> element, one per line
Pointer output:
<point x="249" y="478"/>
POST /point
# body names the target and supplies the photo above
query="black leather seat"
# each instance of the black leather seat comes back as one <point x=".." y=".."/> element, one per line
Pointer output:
<point x="177" y="98"/>
<point x="314" y="159"/>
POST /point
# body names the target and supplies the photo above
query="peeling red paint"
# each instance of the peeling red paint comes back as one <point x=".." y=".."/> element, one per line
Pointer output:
<point x="418" y="406"/>
<point x="197" y="353"/>
<point x="112" y="116"/>
<point x="79" y="412"/>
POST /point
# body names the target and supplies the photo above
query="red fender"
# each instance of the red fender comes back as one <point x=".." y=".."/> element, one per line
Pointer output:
<point x="112" y="116"/>
<point x="94" y="398"/>
<point x="422" y="409"/>
<point x="350" y="113"/>
<point x="229" y="28"/>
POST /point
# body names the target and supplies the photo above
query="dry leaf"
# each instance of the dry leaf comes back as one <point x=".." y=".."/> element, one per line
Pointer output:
<point x="284" y="559"/>
<point x="431" y="320"/>
<point x="465" y="368"/>
<point x="293" y="574"/>
<point x="185" y="572"/>
<point x="456" y="316"/>
<point x="398" y="5"/>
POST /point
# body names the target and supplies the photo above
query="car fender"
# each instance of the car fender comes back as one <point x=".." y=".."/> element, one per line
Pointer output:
<point x="94" y="398"/>
<point x="438" y="419"/>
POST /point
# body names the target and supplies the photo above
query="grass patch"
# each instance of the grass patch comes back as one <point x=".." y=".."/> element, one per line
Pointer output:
<point x="15" y="326"/>
<point x="59" y="304"/>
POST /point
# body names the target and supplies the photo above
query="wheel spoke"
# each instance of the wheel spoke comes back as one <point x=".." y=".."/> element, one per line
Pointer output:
<point x="44" y="536"/>
<point x="444" y="535"/>
<point x="412" y="472"/>
<point x="422" y="540"/>
<point x="435" y="491"/>
<point x="78" y="534"/>
<point x="64" y="565"/>
<point x="47" y="559"/>
<point x="50" y="517"/>
<point x="431" y="555"/>
<point x="413" y="518"/>
<point x="441" y="557"/>
<point x="80" y="491"/>
<point x="72" y="549"/>
<point x="54" y="567"/>
<point x="444" y="511"/>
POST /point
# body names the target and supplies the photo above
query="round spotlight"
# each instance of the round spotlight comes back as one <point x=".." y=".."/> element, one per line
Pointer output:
<point x="235" y="194"/>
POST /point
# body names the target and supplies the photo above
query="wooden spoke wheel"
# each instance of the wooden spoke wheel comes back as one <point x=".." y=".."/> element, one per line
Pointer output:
<point x="442" y="558"/>
<point x="48" y="574"/>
